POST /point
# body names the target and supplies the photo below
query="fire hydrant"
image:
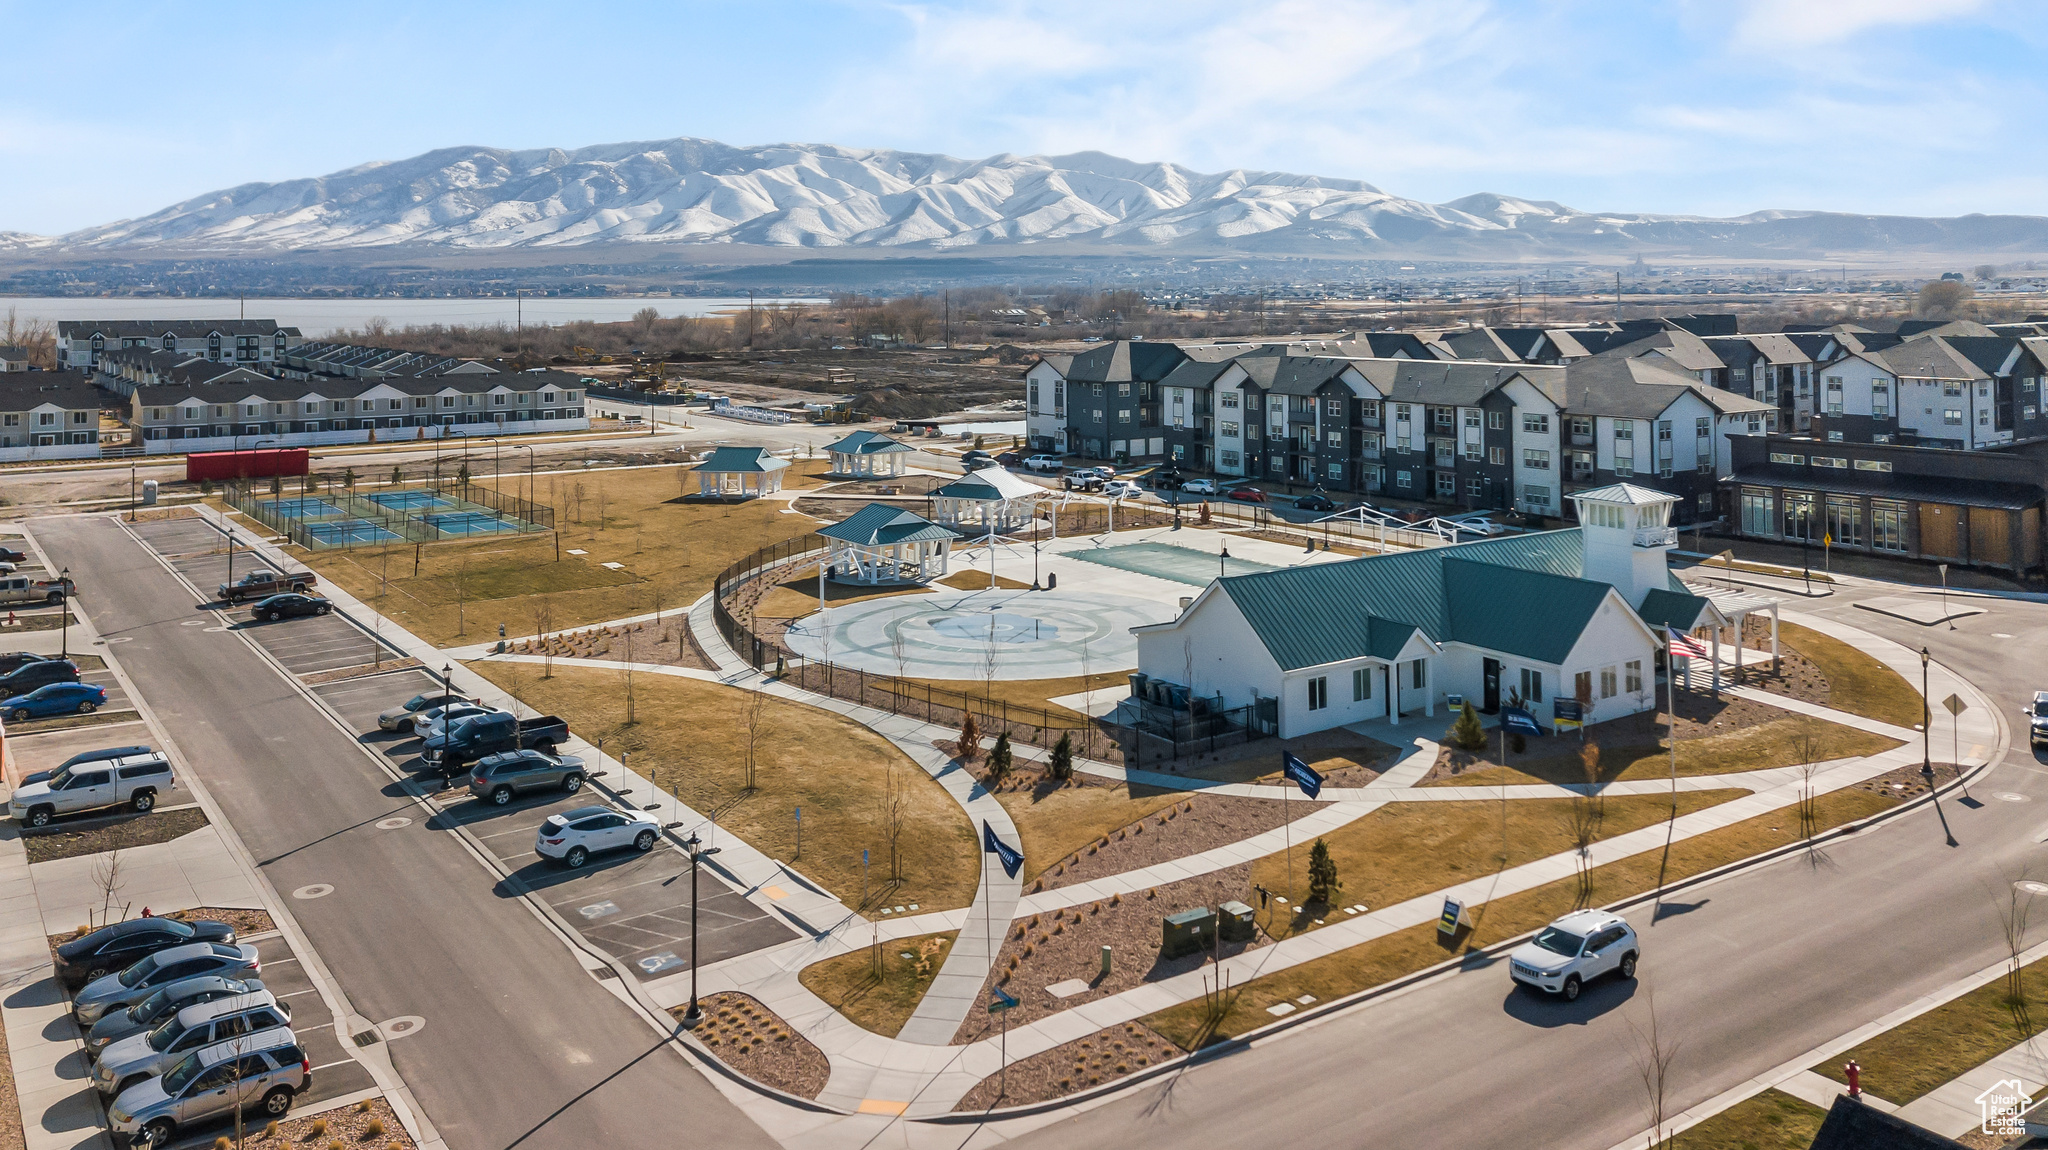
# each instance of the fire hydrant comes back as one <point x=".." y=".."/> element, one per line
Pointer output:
<point x="1855" y="1073"/>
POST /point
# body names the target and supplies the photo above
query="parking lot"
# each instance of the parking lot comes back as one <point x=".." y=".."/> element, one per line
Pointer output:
<point x="305" y="646"/>
<point x="634" y="906"/>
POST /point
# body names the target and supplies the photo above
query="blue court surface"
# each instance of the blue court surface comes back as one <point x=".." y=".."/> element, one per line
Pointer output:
<point x="300" y="508"/>
<point x="1165" y="561"/>
<point x="409" y="500"/>
<point x="350" y="531"/>
<point x="469" y="523"/>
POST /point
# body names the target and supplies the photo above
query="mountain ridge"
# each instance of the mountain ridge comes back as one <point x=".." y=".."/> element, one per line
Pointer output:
<point x="689" y="191"/>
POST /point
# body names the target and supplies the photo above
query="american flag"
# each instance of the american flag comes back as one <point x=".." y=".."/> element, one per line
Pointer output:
<point x="1688" y="646"/>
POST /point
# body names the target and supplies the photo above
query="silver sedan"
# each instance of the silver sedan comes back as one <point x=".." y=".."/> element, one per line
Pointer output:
<point x="105" y="995"/>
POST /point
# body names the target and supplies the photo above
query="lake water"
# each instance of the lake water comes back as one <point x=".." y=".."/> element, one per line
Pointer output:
<point x="317" y="317"/>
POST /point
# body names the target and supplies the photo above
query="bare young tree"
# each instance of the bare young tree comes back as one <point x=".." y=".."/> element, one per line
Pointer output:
<point x="1654" y="1054"/>
<point x="2014" y="905"/>
<point x="600" y="505"/>
<point x="991" y="653"/>
<point x="576" y="503"/>
<point x="895" y="815"/>
<point x="543" y="626"/>
<point x="899" y="647"/>
<point x="753" y="715"/>
<point x="106" y="878"/>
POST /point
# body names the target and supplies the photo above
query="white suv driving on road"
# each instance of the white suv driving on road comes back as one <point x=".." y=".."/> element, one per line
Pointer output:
<point x="1575" y="950"/>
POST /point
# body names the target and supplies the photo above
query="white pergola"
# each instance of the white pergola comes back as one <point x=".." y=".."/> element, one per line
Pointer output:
<point x="1735" y="608"/>
<point x="884" y="544"/>
<point x="990" y="499"/>
<point x="869" y="455"/>
<point x="740" y="472"/>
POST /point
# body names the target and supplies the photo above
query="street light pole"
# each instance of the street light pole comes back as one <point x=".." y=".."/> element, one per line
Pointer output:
<point x="1926" y="758"/>
<point x="1944" y="595"/>
<point x="694" y="1016"/>
<point x="64" y="615"/>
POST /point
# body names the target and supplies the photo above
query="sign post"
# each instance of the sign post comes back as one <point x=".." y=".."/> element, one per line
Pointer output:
<point x="1955" y="706"/>
<point x="999" y="1003"/>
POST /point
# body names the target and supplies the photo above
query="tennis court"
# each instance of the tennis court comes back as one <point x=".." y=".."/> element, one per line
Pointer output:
<point x="300" y="508"/>
<point x="410" y="500"/>
<point x="470" y="523"/>
<point x="343" y="532"/>
<point x="1165" y="561"/>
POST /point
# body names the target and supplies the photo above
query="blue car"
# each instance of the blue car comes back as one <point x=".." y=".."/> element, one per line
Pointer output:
<point x="55" y="699"/>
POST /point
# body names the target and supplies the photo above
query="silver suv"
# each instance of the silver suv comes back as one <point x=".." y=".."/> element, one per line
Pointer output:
<point x="153" y="1011"/>
<point x="136" y="781"/>
<point x="262" y="1070"/>
<point x="1575" y="950"/>
<point x="140" y="1056"/>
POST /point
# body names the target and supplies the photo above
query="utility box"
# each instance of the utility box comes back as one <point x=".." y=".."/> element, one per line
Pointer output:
<point x="1188" y="932"/>
<point x="1237" y="924"/>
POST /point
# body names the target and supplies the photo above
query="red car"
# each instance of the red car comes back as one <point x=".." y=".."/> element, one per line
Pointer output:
<point x="1247" y="495"/>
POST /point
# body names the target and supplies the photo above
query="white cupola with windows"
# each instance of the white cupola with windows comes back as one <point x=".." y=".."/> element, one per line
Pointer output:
<point x="1627" y="538"/>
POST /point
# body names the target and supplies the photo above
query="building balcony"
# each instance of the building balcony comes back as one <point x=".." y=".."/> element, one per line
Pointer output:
<point x="1372" y="421"/>
<point x="1582" y="441"/>
<point x="1656" y="536"/>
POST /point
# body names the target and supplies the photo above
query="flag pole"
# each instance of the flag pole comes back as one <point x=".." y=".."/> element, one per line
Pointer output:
<point x="1671" y="729"/>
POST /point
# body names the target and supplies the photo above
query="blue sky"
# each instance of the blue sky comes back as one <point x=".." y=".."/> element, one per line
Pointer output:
<point x="1927" y="107"/>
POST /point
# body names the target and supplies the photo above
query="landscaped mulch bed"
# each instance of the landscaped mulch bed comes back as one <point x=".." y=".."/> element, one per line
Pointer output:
<point x="753" y="1040"/>
<point x="1907" y="781"/>
<point x="111" y="833"/>
<point x="152" y="514"/>
<point x="1101" y="1057"/>
<point x="71" y="722"/>
<point x="1051" y="948"/>
<point x="49" y="622"/>
<point x="1797" y="677"/>
<point x="245" y="920"/>
<point x="1192" y="826"/>
<point x="669" y="643"/>
<point x="11" y="1136"/>
<point x="367" y="1125"/>
<point x="360" y="669"/>
<point x="1699" y="715"/>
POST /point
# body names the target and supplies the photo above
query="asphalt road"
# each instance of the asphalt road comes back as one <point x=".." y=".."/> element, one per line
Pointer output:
<point x="520" y="1046"/>
<point x="1747" y="973"/>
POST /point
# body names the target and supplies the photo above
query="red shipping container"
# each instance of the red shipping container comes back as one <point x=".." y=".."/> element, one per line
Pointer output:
<point x="256" y="463"/>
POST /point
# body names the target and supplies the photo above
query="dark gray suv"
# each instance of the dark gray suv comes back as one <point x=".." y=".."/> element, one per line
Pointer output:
<point x="498" y="777"/>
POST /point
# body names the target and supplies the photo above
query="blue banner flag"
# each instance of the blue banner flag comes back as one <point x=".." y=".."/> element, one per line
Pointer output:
<point x="1011" y="858"/>
<point x="1301" y="774"/>
<point x="1520" y="721"/>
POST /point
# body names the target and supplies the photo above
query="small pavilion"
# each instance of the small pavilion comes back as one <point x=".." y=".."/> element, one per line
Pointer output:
<point x="739" y="473"/>
<point x="884" y="544"/>
<point x="869" y="455"/>
<point x="990" y="499"/>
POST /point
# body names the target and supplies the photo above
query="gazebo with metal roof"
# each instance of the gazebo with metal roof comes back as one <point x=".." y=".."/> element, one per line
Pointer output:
<point x="739" y="473"/>
<point x="884" y="544"/>
<point x="984" y="501"/>
<point x="868" y="455"/>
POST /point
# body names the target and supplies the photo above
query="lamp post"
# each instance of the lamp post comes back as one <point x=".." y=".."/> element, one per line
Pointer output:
<point x="1944" y="595"/>
<point x="131" y="491"/>
<point x="1926" y="758"/>
<point x="693" y="1016"/>
<point x="64" y="615"/>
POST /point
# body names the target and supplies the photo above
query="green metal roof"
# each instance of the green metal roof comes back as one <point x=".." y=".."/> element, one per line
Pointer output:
<point x="866" y="443"/>
<point x="880" y="525"/>
<point x="731" y="459"/>
<point x="1673" y="609"/>
<point x="1519" y="594"/>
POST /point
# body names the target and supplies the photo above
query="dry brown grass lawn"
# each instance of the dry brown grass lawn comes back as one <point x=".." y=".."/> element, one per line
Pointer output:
<point x="1407" y="849"/>
<point x="976" y="580"/>
<point x="1031" y="694"/>
<point x="880" y="1004"/>
<point x="799" y="596"/>
<point x="668" y="547"/>
<point x="691" y="738"/>
<point x="1773" y="1120"/>
<point x="1857" y="683"/>
<point x="1781" y="741"/>
<point x="1922" y="1053"/>
<point x="1418" y="947"/>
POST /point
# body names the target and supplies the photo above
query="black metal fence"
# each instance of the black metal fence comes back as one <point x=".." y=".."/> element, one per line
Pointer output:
<point x="504" y="503"/>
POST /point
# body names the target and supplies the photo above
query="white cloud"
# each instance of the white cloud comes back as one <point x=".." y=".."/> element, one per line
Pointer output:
<point x="1779" y="25"/>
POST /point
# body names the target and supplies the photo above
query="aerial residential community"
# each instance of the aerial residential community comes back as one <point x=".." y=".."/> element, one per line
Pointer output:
<point x="827" y="647"/>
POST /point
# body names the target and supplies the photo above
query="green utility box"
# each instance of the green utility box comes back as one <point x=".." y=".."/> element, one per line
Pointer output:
<point x="1237" y="924"/>
<point x="1188" y="932"/>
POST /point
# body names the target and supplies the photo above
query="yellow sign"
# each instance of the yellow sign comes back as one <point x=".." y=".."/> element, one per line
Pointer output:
<point x="1827" y="540"/>
<point x="1455" y="915"/>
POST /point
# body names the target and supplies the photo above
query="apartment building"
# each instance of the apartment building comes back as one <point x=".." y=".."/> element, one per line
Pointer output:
<point x="122" y="370"/>
<point x="1638" y="421"/>
<point x="13" y="359"/>
<point x="48" y="414"/>
<point x="254" y="342"/>
<point x="337" y="409"/>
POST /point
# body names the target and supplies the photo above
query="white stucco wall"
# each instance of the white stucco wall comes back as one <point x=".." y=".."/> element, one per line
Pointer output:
<point x="1613" y="638"/>
<point x="1212" y="645"/>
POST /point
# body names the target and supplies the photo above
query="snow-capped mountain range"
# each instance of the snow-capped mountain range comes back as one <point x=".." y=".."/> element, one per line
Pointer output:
<point x="692" y="191"/>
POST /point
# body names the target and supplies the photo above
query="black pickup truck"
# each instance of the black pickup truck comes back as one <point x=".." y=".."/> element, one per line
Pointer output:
<point x="466" y="742"/>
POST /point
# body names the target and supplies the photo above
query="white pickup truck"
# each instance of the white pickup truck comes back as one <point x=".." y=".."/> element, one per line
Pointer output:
<point x="132" y="780"/>
<point x="22" y="589"/>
